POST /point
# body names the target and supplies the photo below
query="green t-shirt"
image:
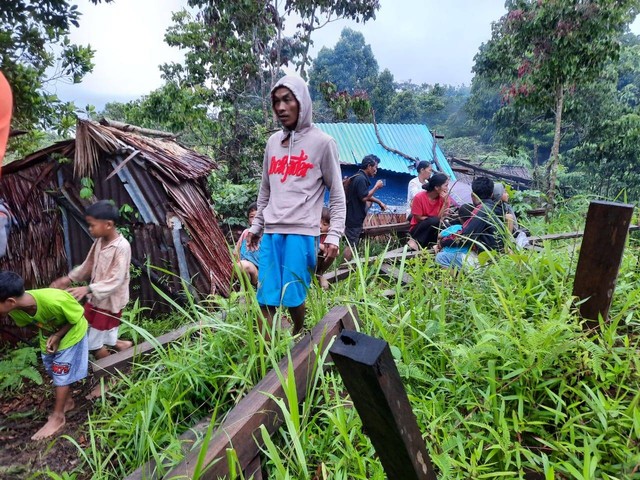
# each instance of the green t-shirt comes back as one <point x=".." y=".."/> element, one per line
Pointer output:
<point x="55" y="308"/>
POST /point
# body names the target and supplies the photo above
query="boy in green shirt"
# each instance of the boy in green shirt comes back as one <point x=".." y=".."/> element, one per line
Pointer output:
<point x="62" y="329"/>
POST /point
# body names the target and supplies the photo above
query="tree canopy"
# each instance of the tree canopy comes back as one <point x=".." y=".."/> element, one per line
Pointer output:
<point x="34" y="41"/>
<point x="541" y="51"/>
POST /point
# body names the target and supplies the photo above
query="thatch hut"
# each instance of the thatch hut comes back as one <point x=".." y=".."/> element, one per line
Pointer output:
<point x="160" y="187"/>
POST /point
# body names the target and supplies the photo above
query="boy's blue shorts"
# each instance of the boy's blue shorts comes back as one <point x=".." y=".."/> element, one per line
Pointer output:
<point x="69" y="365"/>
<point x="286" y="264"/>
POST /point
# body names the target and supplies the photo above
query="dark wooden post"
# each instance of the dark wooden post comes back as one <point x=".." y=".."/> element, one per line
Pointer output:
<point x="373" y="382"/>
<point x="605" y="234"/>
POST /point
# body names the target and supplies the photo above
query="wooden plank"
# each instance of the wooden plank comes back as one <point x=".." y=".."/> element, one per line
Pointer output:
<point x="605" y="235"/>
<point x="394" y="273"/>
<point x="254" y="470"/>
<point x="240" y="429"/>
<point x="375" y="230"/>
<point x="121" y="360"/>
<point x="345" y="269"/>
<point x="337" y="275"/>
<point x="567" y="235"/>
<point x="373" y="382"/>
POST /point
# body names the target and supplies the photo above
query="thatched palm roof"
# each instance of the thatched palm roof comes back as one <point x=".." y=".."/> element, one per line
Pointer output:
<point x="155" y="175"/>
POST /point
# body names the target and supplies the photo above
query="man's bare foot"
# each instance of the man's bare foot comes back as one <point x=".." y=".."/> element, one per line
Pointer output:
<point x="69" y="404"/>
<point x="123" y="345"/>
<point x="53" y="426"/>
<point x="323" y="282"/>
<point x="413" y="245"/>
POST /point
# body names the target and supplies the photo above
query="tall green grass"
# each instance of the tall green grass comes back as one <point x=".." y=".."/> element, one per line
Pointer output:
<point x="499" y="371"/>
<point x="498" y="368"/>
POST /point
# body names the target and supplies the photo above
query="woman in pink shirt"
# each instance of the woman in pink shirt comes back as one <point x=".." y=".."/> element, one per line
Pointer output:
<point x="428" y="209"/>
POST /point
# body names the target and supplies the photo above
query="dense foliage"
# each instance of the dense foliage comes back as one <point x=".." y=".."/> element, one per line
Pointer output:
<point x="35" y="52"/>
<point x="500" y="373"/>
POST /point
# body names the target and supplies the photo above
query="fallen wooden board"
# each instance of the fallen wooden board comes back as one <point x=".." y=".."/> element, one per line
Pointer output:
<point x="123" y="359"/>
<point x="344" y="270"/>
<point x="566" y="236"/>
<point x="375" y="230"/>
<point x="240" y="429"/>
<point x="394" y="273"/>
<point x="337" y="275"/>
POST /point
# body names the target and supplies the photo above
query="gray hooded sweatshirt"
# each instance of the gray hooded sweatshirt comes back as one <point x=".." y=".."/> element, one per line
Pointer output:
<point x="294" y="177"/>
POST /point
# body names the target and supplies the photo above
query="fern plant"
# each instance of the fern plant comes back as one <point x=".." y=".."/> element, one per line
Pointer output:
<point x="19" y="365"/>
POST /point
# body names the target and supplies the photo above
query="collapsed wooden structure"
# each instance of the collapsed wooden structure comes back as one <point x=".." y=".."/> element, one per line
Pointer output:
<point x="160" y="188"/>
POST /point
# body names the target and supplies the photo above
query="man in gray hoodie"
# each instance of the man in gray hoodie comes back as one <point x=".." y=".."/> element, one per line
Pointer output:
<point x="300" y="163"/>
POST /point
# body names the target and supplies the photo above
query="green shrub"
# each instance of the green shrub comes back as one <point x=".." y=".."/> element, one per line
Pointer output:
<point x="230" y="200"/>
<point x="19" y="365"/>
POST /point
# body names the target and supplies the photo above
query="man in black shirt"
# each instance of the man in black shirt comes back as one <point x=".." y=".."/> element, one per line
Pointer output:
<point x="359" y="198"/>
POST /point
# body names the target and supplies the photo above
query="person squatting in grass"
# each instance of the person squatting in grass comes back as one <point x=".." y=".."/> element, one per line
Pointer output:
<point x="62" y="331"/>
<point x="106" y="268"/>
<point x="323" y="263"/>
<point x="482" y="232"/>
<point x="359" y="198"/>
<point x="454" y="255"/>
<point x="248" y="260"/>
<point x="300" y="163"/>
<point x="428" y="210"/>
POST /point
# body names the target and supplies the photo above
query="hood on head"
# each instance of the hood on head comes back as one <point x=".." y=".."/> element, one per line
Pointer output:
<point x="300" y="90"/>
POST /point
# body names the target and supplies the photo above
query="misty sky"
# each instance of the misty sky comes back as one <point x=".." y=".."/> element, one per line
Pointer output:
<point x="420" y="40"/>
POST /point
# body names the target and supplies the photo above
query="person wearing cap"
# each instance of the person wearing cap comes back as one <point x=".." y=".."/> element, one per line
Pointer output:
<point x="424" y="169"/>
<point x="358" y="196"/>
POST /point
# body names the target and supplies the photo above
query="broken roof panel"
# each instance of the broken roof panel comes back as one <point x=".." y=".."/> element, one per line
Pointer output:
<point x="356" y="140"/>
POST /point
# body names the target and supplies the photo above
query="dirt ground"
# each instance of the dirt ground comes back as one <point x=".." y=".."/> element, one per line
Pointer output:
<point x="22" y="414"/>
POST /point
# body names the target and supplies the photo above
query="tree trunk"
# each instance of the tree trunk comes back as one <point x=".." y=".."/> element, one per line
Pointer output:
<point x="555" y="153"/>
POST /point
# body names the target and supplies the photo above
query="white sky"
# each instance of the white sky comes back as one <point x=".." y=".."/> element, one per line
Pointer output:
<point x="428" y="41"/>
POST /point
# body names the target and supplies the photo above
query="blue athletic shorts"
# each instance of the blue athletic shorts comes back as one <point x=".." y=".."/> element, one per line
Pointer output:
<point x="69" y="365"/>
<point x="286" y="264"/>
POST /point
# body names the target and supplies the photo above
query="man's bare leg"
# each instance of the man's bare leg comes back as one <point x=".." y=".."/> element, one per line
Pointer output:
<point x="56" y="420"/>
<point x="265" y="321"/>
<point x="348" y="253"/>
<point x="101" y="353"/>
<point x="297" y="316"/>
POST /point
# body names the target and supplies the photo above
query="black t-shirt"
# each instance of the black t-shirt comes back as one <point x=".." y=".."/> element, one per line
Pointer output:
<point x="356" y="208"/>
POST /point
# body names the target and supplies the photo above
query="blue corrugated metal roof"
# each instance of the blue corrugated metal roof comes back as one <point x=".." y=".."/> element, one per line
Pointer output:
<point x="356" y="140"/>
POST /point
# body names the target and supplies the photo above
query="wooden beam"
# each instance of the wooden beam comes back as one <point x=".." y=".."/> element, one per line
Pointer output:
<point x="373" y="382"/>
<point x="240" y="429"/>
<point x="394" y="273"/>
<point x="127" y="127"/>
<point x="504" y="176"/>
<point x="605" y="235"/>
<point x="123" y="359"/>
<point x="375" y="230"/>
<point x="337" y="275"/>
<point x="567" y="235"/>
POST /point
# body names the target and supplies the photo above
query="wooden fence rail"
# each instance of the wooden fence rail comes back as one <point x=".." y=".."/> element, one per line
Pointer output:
<point x="240" y="428"/>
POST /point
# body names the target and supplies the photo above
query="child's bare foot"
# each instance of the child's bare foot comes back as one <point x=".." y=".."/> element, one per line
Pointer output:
<point x="123" y="345"/>
<point x="53" y="426"/>
<point x="413" y="245"/>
